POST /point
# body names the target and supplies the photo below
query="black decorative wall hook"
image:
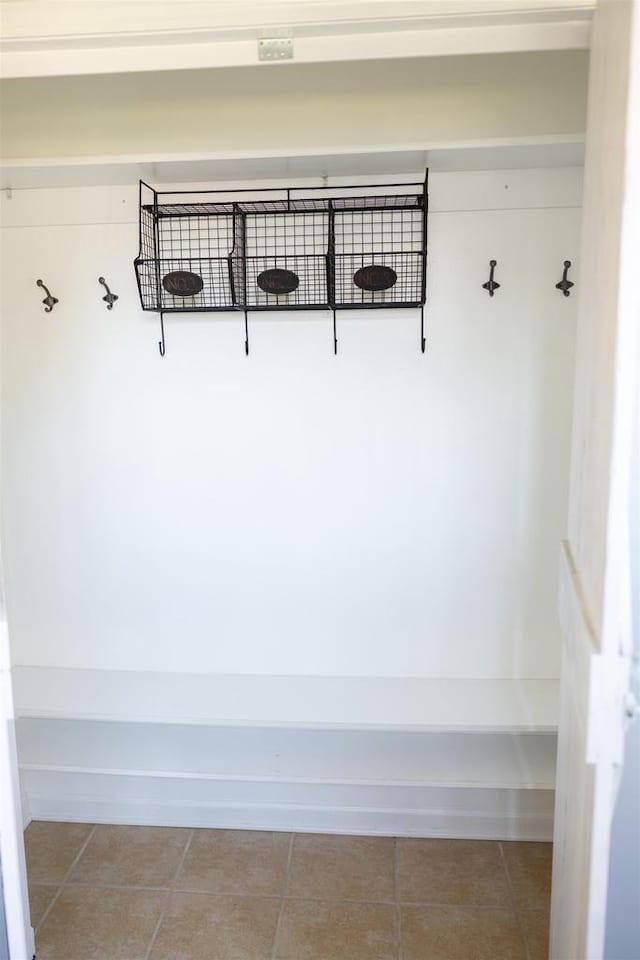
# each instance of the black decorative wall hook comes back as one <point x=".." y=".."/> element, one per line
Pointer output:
<point x="491" y="284"/>
<point x="49" y="301"/>
<point x="109" y="298"/>
<point x="565" y="285"/>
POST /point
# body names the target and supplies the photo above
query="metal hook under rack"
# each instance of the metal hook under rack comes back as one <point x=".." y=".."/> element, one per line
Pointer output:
<point x="49" y="301"/>
<point x="246" y="332"/>
<point x="161" y="344"/>
<point x="109" y="298"/>
<point x="423" y="342"/>
<point x="491" y="284"/>
<point x="565" y="284"/>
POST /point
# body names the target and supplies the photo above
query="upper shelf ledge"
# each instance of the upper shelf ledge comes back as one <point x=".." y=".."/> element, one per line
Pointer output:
<point x="404" y="159"/>
<point x="52" y="38"/>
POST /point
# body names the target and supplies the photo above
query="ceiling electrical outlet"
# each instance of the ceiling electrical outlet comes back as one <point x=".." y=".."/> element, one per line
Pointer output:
<point x="275" y="48"/>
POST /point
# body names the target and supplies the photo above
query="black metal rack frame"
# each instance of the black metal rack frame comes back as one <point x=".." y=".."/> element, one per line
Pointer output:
<point x="321" y="248"/>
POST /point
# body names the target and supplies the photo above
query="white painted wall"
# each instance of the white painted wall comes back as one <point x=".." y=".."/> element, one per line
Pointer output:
<point x="297" y="107"/>
<point x="379" y="513"/>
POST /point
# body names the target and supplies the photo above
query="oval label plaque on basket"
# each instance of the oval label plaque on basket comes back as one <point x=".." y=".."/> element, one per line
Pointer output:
<point x="182" y="283"/>
<point x="375" y="277"/>
<point x="278" y="281"/>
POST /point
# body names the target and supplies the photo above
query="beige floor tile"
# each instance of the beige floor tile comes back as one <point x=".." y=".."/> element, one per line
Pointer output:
<point x="451" y="872"/>
<point x="89" y="923"/>
<point x="536" y="930"/>
<point x="198" y="926"/>
<point x="236" y="862"/>
<point x="460" y="933"/>
<point x="52" y="847"/>
<point x="40" y="896"/>
<point x="342" y="868"/>
<point x="529" y="866"/>
<point x="136" y="856"/>
<point x="316" y="930"/>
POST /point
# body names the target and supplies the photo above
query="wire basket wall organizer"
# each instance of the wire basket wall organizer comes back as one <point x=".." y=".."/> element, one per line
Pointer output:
<point x="322" y="248"/>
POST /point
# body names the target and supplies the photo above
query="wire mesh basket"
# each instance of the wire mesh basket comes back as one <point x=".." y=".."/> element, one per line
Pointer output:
<point x="186" y="254"/>
<point x="292" y="249"/>
<point x="379" y="252"/>
<point x="286" y="248"/>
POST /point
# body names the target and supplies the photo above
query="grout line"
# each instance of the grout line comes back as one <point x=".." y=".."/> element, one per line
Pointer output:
<point x="163" y="911"/>
<point x="187" y="847"/>
<point x="66" y="876"/>
<point x="514" y="903"/>
<point x="457" y="905"/>
<point x="289" y="859"/>
<point x="192" y="891"/>
<point x="97" y="885"/>
<point x="167" y="898"/>
<point x="285" y="890"/>
<point x="236" y="895"/>
<point x="82" y="850"/>
<point x="397" y="899"/>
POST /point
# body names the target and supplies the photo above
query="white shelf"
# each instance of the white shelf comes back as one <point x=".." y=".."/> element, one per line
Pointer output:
<point x="40" y="41"/>
<point x="232" y="754"/>
<point x="402" y="159"/>
<point x="346" y="703"/>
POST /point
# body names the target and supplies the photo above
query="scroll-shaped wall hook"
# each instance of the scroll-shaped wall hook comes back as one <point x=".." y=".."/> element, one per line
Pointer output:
<point x="161" y="342"/>
<point x="423" y="342"/>
<point x="109" y="298"/>
<point x="491" y="284"/>
<point x="335" y="337"/>
<point x="565" y="285"/>
<point x="246" y="333"/>
<point x="49" y="301"/>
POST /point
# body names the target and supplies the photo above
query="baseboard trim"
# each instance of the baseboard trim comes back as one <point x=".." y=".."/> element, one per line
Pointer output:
<point x="412" y="810"/>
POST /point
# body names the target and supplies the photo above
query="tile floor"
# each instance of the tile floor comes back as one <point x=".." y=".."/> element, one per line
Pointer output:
<point x="164" y="893"/>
